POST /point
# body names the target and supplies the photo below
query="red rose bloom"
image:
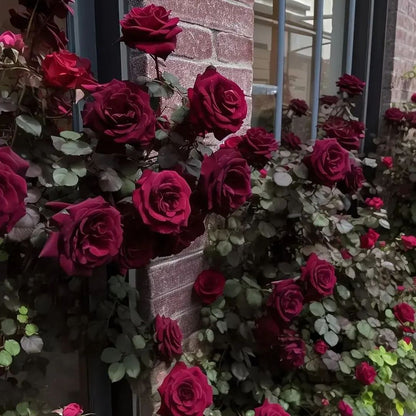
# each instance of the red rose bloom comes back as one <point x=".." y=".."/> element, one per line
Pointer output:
<point x="365" y="373"/>
<point x="292" y="350"/>
<point x="387" y="162"/>
<point x="369" y="240"/>
<point x="286" y="300"/>
<point x="64" y="69"/>
<point x="407" y="340"/>
<point x="121" y="111"/>
<point x="354" y="179"/>
<point x="329" y="99"/>
<point x="151" y="30"/>
<point x="328" y="163"/>
<point x="320" y="347"/>
<point x="413" y="98"/>
<point x="404" y="313"/>
<point x="345" y="409"/>
<point x="347" y="133"/>
<point x="72" y="409"/>
<point x="168" y="337"/>
<point x="318" y="278"/>
<point x="266" y="333"/>
<point x="345" y="254"/>
<point x="409" y="241"/>
<point x="209" y="285"/>
<point x="351" y="85"/>
<point x="375" y="202"/>
<point x="162" y="199"/>
<point x="269" y="409"/>
<point x="257" y="146"/>
<point x="13" y="189"/>
<point x="299" y="107"/>
<point x="217" y="104"/>
<point x="224" y="183"/>
<point x="137" y="247"/>
<point x="410" y="117"/>
<point x="291" y="141"/>
<point x="394" y="115"/>
<point x="88" y="235"/>
<point x="12" y="40"/>
<point x="184" y="392"/>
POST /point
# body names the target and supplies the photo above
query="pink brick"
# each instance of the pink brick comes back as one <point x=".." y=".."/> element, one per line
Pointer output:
<point x="234" y="48"/>
<point x="213" y="14"/>
<point x="194" y="42"/>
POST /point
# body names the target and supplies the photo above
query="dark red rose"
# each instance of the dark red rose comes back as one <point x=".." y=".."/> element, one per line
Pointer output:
<point x="365" y="373"/>
<point x="409" y="241"/>
<point x="286" y="300"/>
<point x="354" y="179"/>
<point x="407" y="340"/>
<point x="345" y="409"/>
<point x="12" y="40"/>
<point x="162" y="199"/>
<point x="209" y="285"/>
<point x="328" y="163"/>
<point x="224" y="183"/>
<point x="329" y="99"/>
<point x="369" y="240"/>
<point x="151" y="30"/>
<point x="72" y="409"/>
<point x="348" y="133"/>
<point x="325" y="402"/>
<point x="64" y="69"/>
<point x="59" y="8"/>
<point x="13" y="189"/>
<point x="394" y="115"/>
<point x="351" y="85"/>
<point x="121" y="111"/>
<point x="375" y="202"/>
<point x="410" y="117"/>
<point x="168" y="337"/>
<point x="256" y="146"/>
<point x="299" y="107"/>
<point x="184" y="392"/>
<point x="413" y="98"/>
<point x="291" y="141"/>
<point x="404" y="313"/>
<point x="269" y="409"/>
<point x="387" y="161"/>
<point x="88" y="235"/>
<point x="138" y="240"/>
<point x="292" y="350"/>
<point x="318" y="277"/>
<point x="266" y="333"/>
<point x="217" y="104"/>
<point x="345" y="254"/>
<point x="320" y="347"/>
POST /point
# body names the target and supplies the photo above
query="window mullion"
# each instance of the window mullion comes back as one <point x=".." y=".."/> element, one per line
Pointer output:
<point x="350" y="36"/>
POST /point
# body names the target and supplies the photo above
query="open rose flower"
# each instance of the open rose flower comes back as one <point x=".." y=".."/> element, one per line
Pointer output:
<point x="365" y="373"/>
<point x="328" y="163"/>
<point x="408" y="241"/>
<point x="150" y="29"/>
<point x="12" y="40"/>
<point x="184" y="392"/>
<point x="299" y="107"/>
<point x="64" y="69"/>
<point x="121" y="111"/>
<point x="354" y="179"/>
<point x="162" y="199"/>
<point x="387" y="161"/>
<point x="13" y="189"/>
<point x="72" y="409"/>
<point x="344" y="408"/>
<point x="209" y="285"/>
<point x="318" y="278"/>
<point x="224" y="183"/>
<point x="256" y="146"/>
<point x="328" y="99"/>
<point x="292" y="350"/>
<point x="217" y="104"/>
<point x="88" y="235"/>
<point x="404" y="313"/>
<point x="269" y="409"/>
<point x="410" y="117"/>
<point x="348" y="133"/>
<point x="394" y="115"/>
<point x="369" y="240"/>
<point x="286" y="300"/>
<point x="291" y="141"/>
<point x="413" y="98"/>
<point x="320" y="347"/>
<point x="375" y="202"/>
<point x="168" y="337"/>
<point x="350" y="84"/>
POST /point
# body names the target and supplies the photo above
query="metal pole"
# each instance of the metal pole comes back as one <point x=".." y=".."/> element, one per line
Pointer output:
<point x="350" y="36"/>
<point x="122" y="10"/>
<point x="317" y="59"/>
<point x="280" y="69"/>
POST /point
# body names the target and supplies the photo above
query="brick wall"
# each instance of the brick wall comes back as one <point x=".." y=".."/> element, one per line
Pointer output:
<point x="219" y="33"/>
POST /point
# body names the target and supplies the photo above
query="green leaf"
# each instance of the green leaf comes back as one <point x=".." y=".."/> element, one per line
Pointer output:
<point x="23" y="310"/>
<point x="222" y="326"/>
<point x="329" y="305"/>
<point x="8" y="327"/>
<point x="384" y="223"/>
<point x="139" y="342"/>
<point x="209" y="333"/>
<point x="124" y="344"/>
<point x="317" y="309"/>
<point x="321" y="326"/>
<point x="343" y="292"/>
<point x="282" y="179"/>
<point x="291" y="396"/>
<point x="31" y="329"/>
<point x="116" y="372"/>
<point x="12" y="347"/>
<point x="63" y="177"/>
<point x="403" y="390"/>
<point x="132" y="365"/>
<point x="239" y="371"/>
<point x="365" y="329"/>
<point x="161" y="134"/>
<point x="331" y="338"/>
<point x="344" y="367"/>
<point x="224" y="248"/>
<point x="266" y="229"/>
<point x="5" y="359"/>
<point x="23" y="409"/>
<point x="70" y="135"/>
<point x="76" y="148"/>
<point x="232" y="288"/>
<point x="32" y="345"/>
<point x="29" y="125"/>
<point x="111" y="355"/>
<point x="179" y="114"/>
<point x="344" y="227"/>
<point x="170" y="78"/>
<point x="320" y="220"/>
<point x="389" y="392"/>
<point x="254" y="297"/>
